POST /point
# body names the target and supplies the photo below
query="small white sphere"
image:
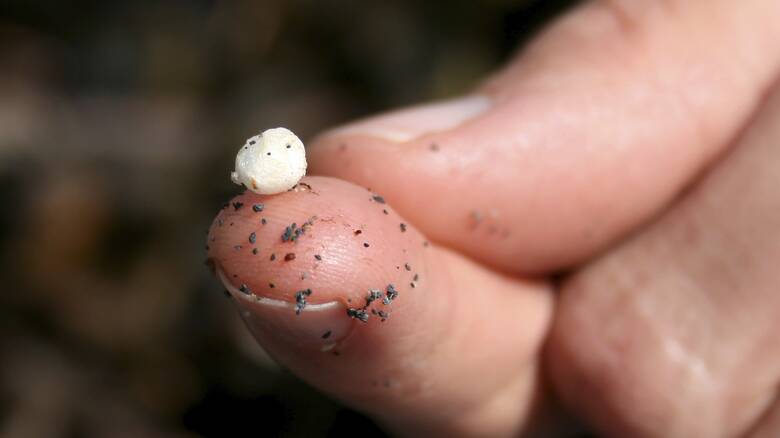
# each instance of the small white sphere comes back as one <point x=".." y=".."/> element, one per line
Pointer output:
<point x="270" y="163"/>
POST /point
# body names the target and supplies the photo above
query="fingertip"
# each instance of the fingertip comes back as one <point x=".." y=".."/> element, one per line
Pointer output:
<point x="313" y="264"/>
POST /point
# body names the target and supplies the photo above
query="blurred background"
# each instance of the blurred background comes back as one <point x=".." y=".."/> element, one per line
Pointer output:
<point x="119" y="123"/>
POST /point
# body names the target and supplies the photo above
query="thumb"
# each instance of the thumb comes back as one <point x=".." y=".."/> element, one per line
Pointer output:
<point x="445" y="348"/>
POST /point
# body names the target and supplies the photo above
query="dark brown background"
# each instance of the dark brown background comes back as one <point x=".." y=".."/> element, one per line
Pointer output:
<point x="119" y="122"/>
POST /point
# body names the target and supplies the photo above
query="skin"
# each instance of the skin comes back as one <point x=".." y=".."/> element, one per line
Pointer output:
<point x="602" y="248"/>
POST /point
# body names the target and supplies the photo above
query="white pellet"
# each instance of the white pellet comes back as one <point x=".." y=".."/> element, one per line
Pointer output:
<point x="269" y="163"/>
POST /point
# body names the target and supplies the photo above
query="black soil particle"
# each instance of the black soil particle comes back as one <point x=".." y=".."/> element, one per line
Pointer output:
<point x="390" y="294"/>
<point x="300" y="300"/>
<point x="373" y="295"/>
<point x="289" y="232"/>
<point x="359" y="314"/>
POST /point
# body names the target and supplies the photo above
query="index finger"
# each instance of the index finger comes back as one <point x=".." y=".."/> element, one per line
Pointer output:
<point x="597" y="126"/>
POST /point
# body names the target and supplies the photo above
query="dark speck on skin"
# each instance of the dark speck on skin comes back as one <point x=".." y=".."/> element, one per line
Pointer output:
<point x="245" y="289"/>
<point x="289" y="232"/>
<point x="390" y="295"/>
<point x="326" y="335"/>
<point x="252" y="237"/>
<point x="300" y="300"/>
<point x="258" y="208"/>
<point x="271" y="285"/>
<point x="358" y="232"/>
<point x="384" y="210"/>
<point x="254" y="251"/>
<point x="365" y="244"/>
<point x="293" y="232"/>
<point x="434" y="147"/>
<point x="378" y="199"/>
<point x="317" y="256"/>
<point x="358" y="314"/>
<point x="403" y="227"/>
<point x="381" y="313"/>
<point x="407" y="266"/>
<point x="263" y="221"/>
<point x="238" y="205"/>
<point x="416" y="277"/>
<point x="273" y="257"/>
<point x="373" y="295"/>
<point x="289" y="256"/>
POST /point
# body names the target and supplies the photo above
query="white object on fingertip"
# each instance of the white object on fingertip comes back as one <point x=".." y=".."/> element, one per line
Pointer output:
<point x="269" y="163"/>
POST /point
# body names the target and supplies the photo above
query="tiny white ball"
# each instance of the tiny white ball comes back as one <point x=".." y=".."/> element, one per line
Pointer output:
<point x="269" y="163"/>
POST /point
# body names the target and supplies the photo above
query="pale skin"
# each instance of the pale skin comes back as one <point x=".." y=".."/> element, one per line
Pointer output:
<point x="604" y="251"/>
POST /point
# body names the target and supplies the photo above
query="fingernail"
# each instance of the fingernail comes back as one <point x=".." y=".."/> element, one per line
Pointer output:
<point x="408" y="124"/>
<point x="320" y="325"/>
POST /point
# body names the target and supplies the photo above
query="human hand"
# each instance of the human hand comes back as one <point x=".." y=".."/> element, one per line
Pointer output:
<point x="627" y="161"/>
